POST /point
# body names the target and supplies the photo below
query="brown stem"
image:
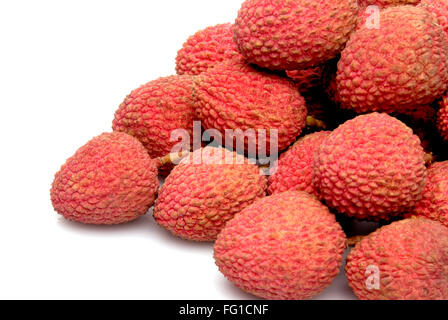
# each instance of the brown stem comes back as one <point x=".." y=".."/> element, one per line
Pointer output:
<point x="312" y="122"/>
<point x="353" y="241"/>
<point x="429" y="159"/>
<point x="172" y="158"/>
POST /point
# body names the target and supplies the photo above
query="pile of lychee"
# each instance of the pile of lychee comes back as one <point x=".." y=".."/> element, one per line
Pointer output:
<point x="353" y="98"/>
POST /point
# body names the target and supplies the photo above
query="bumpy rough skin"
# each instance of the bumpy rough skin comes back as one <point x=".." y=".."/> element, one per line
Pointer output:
<point x="371" y="167"/>
<point x="110" y="180"/>
<point x="266" y="32"/>
<point x="198" y="198"/>
<point x="238" y="96"/>
<point x="439" y="8"/>
<point x="205" y="49"/>
<point x="306" y="78"/>
<point x="442" y="118"/>
<point x="434" y="203"/>
<point x="402" y="64"/>
<point x="412" y="259"/>
<point x="284" y="247"/>
<point x="294" y="169"/>
<point x="386" y="3"/>
<point x="422" y="120"/>
<point x="152" y="112"/>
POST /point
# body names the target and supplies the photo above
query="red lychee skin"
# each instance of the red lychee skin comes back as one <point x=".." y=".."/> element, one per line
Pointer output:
<point x="205" y="49"/>
<point x="439" y="8"/>
<point x="412" y="259"/>
<point x="434" y="202"/>
<point x="110" y="180"/>
<point x="369" y="8"/>
<point x="442" y="118"/>
<point x="284" y="247"/>
<point x="266" y="32"/>
<point x="197" y="200"/>
<point x="306" y="79"/>
<point x="294" y="169"/>
<point x="386" y="3"/>
<point x="152" y="112"/>
<point x="371" y="167"/>
<point x="238" y="96"/>
<point x="401" y="65"/>
<point x="422" y="121"/>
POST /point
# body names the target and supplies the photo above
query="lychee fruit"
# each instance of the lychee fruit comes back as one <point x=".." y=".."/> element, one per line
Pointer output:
<point x="434" y="202"/>
<point x="442" y="118"/>
<point x="249" y="106"/>
<point x="284" y="247"/>
<point x="205" y="190"/>
<point x="205" y="49"/>
<point x="294" y="169"/>
<point x="439" y="8"/>
<point x="153" y="112"/>
<point x="422" y="120"/>
<point x="110" y="180"/>
<point x="371" y="167"/>
<point x="406" y="260"/>
<point x="293" y="34"/>
<point x="396" y="67"/>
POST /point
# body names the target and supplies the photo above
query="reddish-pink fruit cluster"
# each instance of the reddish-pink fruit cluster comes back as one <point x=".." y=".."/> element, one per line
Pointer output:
<point x="287" y="246"/>
<point x="110" y="180"/>
<point x="244" y="82"/>
<point x="205" y="49"/>
<point x="294" y="169"/>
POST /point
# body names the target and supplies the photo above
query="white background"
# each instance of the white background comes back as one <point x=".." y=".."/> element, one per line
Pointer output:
<point x="65" y="66"/>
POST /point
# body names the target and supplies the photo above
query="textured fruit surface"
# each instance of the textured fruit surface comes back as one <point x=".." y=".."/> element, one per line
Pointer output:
<point x="386" y="3"/>
<point x="205" y="49"/>
<point x="110" y="180"/>
<point x="200" y="196"/>
<point x="238" y="96"/>
<point x="410" y="257"/>
<point x="434" y="202"/>
<point x="152" y="112"/>
<point x="439" y="8"/>
<point x="442" y="121"/>
<point x="306" y="78"/>
<point x="401" y="65"/>
<point x="284" y="247"/>
<point x="294" y="169"/>
<point x="371" y="167"/>
<point x="422" y="120"/>
<point x="266" y="31"/>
